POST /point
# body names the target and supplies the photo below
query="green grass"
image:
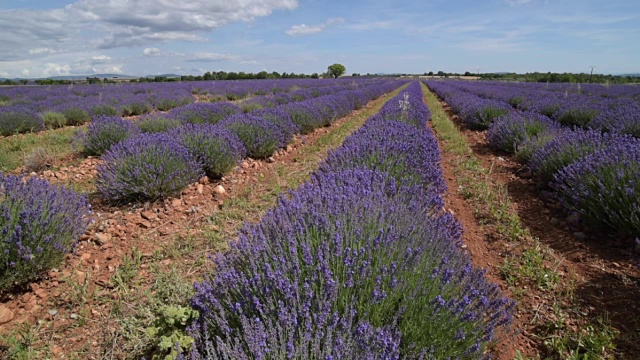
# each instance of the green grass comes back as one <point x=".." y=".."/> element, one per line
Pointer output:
<point x="473" y="179"/>
<point x="14" y="149"/>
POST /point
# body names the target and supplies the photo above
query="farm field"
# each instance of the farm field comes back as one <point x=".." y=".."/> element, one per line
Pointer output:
<point x="349" y="218"/>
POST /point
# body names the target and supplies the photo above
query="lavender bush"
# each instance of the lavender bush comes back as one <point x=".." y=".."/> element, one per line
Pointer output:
<point x="136" y="108"/>
<point x="524" y="151"/>
<point x="19" y="121"/>
<point x="204" y="113"/>
<point x="577" y="116"/>
<point x="157" y="123"/>
<point x="76" y="116"/>
<point x="331" y="272"/>
<point x="147" y="166"/>
<point x="104" y="132"/>
<point x="305" y="116"/>
<point x="624" y="119"/>
<point x="567" y="148"/>
<point x="103" y="109"/>
<point x="261" y="138"/>
<point x="282" y="120"/>
<point x="39" y="224"/>
<point x="217" y="149"/>
<point x="605" y="186"/>
<point x="508" y="132"/>
<point x="53" y="119"/>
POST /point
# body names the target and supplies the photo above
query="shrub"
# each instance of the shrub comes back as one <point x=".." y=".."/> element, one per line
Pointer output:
<point x="39" y="224"/>
<point x="605" y="186"/>
<point x="624" y="119"/>
<point x="282" y="120"/>
<point x="508" y="132"/>
<point x="352" y="265"/>
<point x="204" y="113"/>
<point x="154" y="124"/>
<point x="567" y="148"/>
<point x="106" y="110"/>
<point x="248" y="107"/>
<point x="104" y="132"/>
<point x="524" y="152"/>
<point x="484" y="116"/>
<point x="217" y="149"/>
<point x="515" y="101"/>
<point x="37" y="160"/>
<point x="260" y="137"/>
<point x="19" y="121"/>
<point x="136" y="108"/>
<point x="76" y="116"/>
<point x="53" y="120"/>
<point x="147" y="166"/>
<point x="306" y="117"/>
<point x="577" y="116"/>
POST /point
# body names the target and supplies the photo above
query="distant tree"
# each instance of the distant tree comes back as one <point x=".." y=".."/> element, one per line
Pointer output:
<point x="466" y="73"/>
<point x="315" y="76"/>
<point x="24" y="81"/>
<point x="336" y="70"/>
<point x="430" y="73"/>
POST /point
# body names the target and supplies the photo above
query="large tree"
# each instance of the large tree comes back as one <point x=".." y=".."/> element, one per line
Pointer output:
<point x="336" y="70"/>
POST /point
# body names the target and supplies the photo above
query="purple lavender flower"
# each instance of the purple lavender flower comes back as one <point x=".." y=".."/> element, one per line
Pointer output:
<point x="204" y="113"/>
<point x="19" y="120"/>
<point x="510" y="131"/>
<point x="605" y="186"/>
<point x="567" y="148"/>
<point x="147" y="166"/>
<point x="104" y="132"/>
<point x="216" y="148"/>
<point x="261" y="137"/>
<point x="39" y="224"/>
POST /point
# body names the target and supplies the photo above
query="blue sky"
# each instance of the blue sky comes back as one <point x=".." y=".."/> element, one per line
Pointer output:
<point x="138" y="37"/>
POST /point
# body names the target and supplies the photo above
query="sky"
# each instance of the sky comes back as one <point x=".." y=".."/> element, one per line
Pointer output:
<point x="42" y="38"/>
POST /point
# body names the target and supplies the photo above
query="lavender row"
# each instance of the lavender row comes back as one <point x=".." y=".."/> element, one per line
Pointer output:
<point x="303" y="117"/>
<point x="475" y="112"/>
<point x="203" y="139"/>
<point x="594" y="172"/>
<point x="611" y="109"/>
<point x="358" y="263"/>
<point x="24" y="109"/>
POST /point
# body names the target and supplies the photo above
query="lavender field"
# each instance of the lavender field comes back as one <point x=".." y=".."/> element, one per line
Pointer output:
<point x="309" y="218"/>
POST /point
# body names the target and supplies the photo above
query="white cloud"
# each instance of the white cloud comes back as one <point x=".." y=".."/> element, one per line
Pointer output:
<point x="304" y="29"/>
<point x="25" y="72"/>
<point x="151" y="52"/>
<point x="517" y="2"/>
<point x="211" y="57"/>
<point x="101" y="58"/>
<point x="119" y="23"/>
<point x="371" y="25"/>
<point x="42" y="50"/>
<point x="53" y="69"/>
<point x="141" y="22"/>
